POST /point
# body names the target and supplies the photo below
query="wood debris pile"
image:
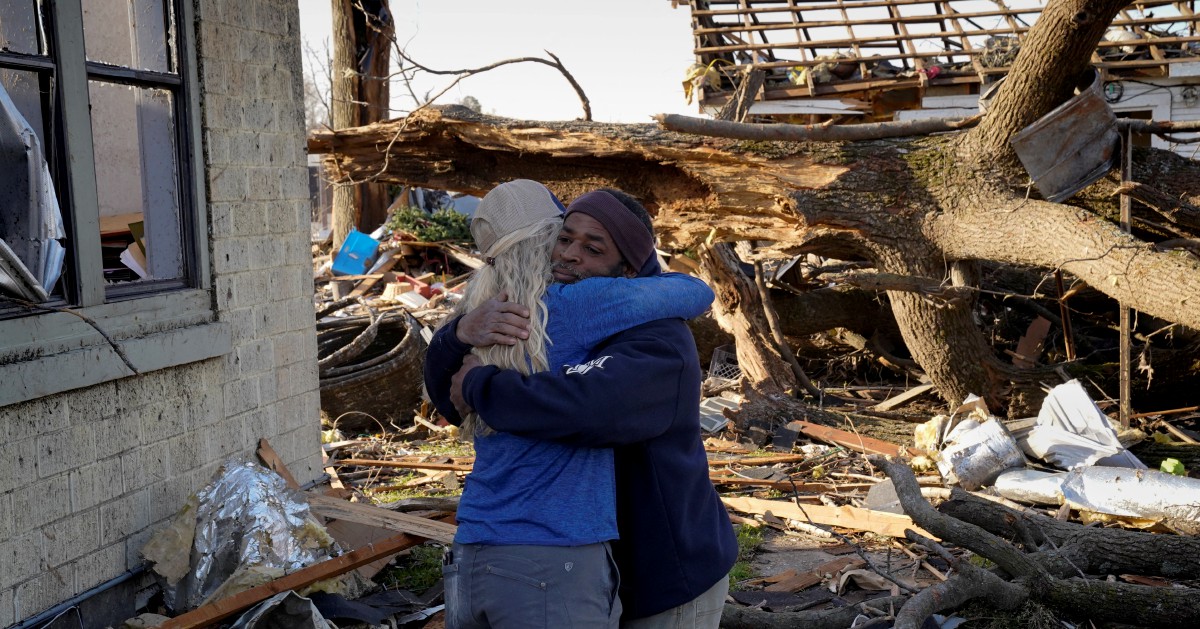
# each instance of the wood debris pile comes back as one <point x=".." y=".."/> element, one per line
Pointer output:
<point x="817" y="479"/>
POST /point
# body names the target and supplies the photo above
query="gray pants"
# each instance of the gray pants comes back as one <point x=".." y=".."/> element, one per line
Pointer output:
<point x="531" y="586"/>
<point x="702" y="612"/>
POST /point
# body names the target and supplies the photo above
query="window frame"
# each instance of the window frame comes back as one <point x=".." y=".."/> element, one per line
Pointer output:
<point x="158" y="323"/>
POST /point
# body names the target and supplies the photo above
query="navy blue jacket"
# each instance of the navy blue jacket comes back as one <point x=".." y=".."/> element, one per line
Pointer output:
<point x="641" y="397"/>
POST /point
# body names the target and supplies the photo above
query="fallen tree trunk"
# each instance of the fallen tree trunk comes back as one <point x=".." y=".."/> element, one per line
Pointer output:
<point x="1089" y="549"/>
<point x="914" y="208"/>
<point x="1046" y="575"/>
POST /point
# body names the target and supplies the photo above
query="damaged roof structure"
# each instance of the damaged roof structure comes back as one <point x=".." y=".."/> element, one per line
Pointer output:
<point x="854" y="61"/>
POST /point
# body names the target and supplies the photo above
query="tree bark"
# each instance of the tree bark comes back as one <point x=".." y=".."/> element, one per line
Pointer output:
<point x="1092" y="550"/>
<point x="375" y="98"/>
<point x="343" y="114"/>
<point x="739" y="310"/>
<point x="735" y="617"/>
<point x="360" y="96"/>
<point x="1055" y="52"/>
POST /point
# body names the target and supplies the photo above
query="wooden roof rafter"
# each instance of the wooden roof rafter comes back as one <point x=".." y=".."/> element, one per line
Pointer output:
<point x="917" y="35"/>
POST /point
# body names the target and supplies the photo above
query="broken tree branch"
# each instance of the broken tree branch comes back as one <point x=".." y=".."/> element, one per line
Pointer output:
<point x="969" y="583"/>
<point x="875" y="130"/>
<point x="811" y="133"/>
<point x="777" y="334"/>
<point x="892" y="281"/>
<point x="1158" y="127"/>
<point x="1176" y="210"/>
<point x="1094" y="550"/>
<point x="1118" y="602"/>
<point x="950" y="529"/>
<point x="463" y="74"/>
<point x="736" y="617"/>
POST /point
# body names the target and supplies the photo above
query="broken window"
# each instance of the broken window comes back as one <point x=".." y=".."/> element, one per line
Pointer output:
<point x="31" y="254"/>
<point x="98" y="84"/>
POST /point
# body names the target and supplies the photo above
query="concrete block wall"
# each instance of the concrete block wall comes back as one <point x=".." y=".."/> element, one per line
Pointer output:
<point x="86" y="477"/>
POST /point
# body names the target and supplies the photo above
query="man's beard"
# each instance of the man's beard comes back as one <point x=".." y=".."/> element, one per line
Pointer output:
<point x="563" y="267"/>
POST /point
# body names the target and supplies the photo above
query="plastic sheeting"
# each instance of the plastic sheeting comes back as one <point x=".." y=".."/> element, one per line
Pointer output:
<point x="286" y="609"/>
<point x="1072" y="432"/>
<point x="31" y="257"/>
<point x="1130" y="494"/>
<point x="244" y="529"/>
<point x="1033" y="486"/>
<point x="976" y="453"/>
<point x="1144" y="494"/>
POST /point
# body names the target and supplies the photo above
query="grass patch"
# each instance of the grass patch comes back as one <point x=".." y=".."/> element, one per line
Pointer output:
<point x="749" y="538"/>
<point x="446" y="447"/>
<point x="417" y="571"/>
<point x="384" y="497"/>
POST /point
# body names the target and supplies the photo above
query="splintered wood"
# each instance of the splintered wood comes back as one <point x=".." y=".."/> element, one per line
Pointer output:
<point x="853" y="518"/>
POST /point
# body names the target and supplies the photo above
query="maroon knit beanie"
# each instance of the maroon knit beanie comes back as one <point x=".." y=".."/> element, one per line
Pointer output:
<point x="629" y="234"/>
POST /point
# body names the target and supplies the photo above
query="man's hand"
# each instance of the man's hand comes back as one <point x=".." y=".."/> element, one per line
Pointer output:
<point x="494" y="322"/>
<point x="456" y="385"/>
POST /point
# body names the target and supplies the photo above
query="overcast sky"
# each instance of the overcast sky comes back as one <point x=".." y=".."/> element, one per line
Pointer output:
<point x="629" y="56"/>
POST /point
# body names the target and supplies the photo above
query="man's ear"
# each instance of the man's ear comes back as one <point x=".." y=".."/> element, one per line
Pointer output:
<point x="630" y="272"/>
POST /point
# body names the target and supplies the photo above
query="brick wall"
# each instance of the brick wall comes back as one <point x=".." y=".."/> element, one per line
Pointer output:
<point x="87" y="476"/>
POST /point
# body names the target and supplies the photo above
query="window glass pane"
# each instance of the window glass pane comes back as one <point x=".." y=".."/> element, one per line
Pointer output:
<point x="24" y="89"/>
<point x="18" y="26"/>
<point x="127" y="33"/>
<point x="137" y="182"/>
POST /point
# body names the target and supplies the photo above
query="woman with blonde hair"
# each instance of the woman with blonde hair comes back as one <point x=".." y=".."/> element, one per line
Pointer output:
<point x="536" y="517"/>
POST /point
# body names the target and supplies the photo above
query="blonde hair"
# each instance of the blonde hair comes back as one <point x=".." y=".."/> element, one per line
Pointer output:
<point x="519" y="265"/>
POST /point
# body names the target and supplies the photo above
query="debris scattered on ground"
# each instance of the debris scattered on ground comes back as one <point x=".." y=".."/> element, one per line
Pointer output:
<point x="824" y="530"/>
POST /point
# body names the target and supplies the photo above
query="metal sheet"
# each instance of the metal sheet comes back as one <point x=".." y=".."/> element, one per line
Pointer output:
<point x="1073" y="145"/>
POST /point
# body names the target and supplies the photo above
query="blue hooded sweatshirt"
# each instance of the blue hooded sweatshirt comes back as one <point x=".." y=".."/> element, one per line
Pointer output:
<point x="641" y="397"/>
<point x="530" y="491"/>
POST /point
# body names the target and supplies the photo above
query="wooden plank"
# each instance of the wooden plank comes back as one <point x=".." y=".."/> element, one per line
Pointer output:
<point x="271" y="459"/>
<point x="382" y="518"/>
<point x="355" y="535"/>
<point x="880" y="522"/>
<point x="371" y="281"/>
<point x="786" y="485"/>
<point x="408" y="465"/>
<point x="1029" y="346"/>
<point x="464" y="258"/>
<point x="849" y="440"/>
<point x="760" y="460"/>
<point x="903" y="398"/>
<point x="215" y="612"/>
<point x="118" y="223"/>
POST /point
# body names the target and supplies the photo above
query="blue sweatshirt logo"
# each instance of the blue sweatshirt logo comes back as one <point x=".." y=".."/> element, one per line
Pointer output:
<point x="588" y="366"/>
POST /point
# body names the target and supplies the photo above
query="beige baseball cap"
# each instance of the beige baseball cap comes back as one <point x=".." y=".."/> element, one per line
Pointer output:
<point x="512" y="206"/>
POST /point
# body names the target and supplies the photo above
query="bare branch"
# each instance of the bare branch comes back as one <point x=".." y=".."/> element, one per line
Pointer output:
<point x="970" y="582"/>
<point x="811" y="133"/>
<point x="462" y="74"/>
<point x="1176" y="210"/>
<point x="891" y="281"/>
